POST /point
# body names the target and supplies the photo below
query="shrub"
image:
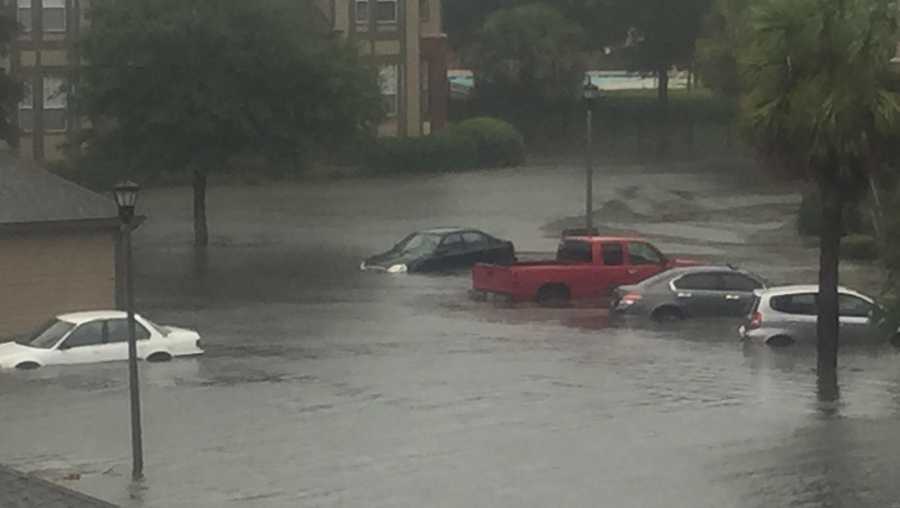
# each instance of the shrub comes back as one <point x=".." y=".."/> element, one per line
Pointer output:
<point x="498" y="143"/>
<point x="476" y="143"/>
<point x="445" y="151"/>
<point x="859" y="248"/>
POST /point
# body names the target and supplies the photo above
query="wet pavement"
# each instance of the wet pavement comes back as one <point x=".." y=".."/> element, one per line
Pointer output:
<point x="325" y="386"/>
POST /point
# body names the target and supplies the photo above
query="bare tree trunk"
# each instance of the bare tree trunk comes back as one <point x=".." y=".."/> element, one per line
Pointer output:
<point x="877" y="210"/>
<point x="663" y="102"/>
<point x="828" y="323"/>
<point x="201" y="233"/>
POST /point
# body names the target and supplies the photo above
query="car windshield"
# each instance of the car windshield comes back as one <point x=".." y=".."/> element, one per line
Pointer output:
<point x="418" y="243"/>
<point x="48" y="335"/>
<point x="162" y="330"/>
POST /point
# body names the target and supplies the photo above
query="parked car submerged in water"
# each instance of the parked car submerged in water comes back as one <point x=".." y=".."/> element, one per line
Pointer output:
<point x="786" y="315"/>
<point x="689" y="292"/>
<point x="92" y="337"/>
<point x="442" y="249"/>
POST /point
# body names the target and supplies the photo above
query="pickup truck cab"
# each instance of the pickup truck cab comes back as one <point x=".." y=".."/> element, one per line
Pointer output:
<point x="586" y="267"/>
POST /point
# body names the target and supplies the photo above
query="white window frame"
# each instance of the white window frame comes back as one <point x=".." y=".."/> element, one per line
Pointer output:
<point x="27" y="103"/>
<point x="387" y="21"/>
<point x="55" y="98"/>
<point x="24" y="5"/>
<point x="389" y="77"/>
<point x="49" y="5"/>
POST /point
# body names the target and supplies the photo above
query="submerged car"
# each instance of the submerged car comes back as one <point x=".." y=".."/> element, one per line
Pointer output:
<point x="689" y="292"/>
<point x="786" y="315"/>
<point x="442" y="249"/>
<point x="91" y="337"/>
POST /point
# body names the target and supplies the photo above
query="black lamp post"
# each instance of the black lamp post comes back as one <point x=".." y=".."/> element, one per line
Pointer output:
<point x="590" y="93"/>
<point x="126" y="197"/>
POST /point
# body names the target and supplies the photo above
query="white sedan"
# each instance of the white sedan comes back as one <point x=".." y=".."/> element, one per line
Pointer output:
<point x="102" y="336"/>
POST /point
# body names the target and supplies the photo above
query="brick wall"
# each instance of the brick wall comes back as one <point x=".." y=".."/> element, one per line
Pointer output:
<point x="43" y="274"/>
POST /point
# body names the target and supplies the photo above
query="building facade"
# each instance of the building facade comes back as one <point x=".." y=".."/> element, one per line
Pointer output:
<point x="405" y="39"/>
<point x="402" y="37"/>
<point x="59" y="248"/>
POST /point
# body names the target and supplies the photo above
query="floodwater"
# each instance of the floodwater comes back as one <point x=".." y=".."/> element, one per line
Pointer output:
<point x="325" y="386"/>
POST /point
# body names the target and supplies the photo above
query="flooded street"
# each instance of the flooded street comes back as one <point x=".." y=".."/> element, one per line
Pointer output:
<point x="326" y="386"/>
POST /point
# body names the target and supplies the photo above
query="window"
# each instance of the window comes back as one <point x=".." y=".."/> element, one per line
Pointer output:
<point x="23" y="15"/>
<point x="795" y="304"/>
<point x="698" y="282"/>
<point x="852" y="306"/>
<point x="644" y="254"/>
<point x="48" y="335"/>
<point x="424" y="10"/>
<point x="88" y="334"/>
<point x="386" y="11"/>
<point x="575" y="252"/>
<point x="613" y="254"/>
<point x="54" y="15"/>
<point x="55" y="101"/>
<point x="362" y="13"/>
<point x="424" y="88"/>
<point x="26" y="107"/>
<point x="389" y="77"/>
<point x="474" y="239"/>
<point x="117" y="330"/>
<point x="452" y="241"/>
<point x="739" y="282"/>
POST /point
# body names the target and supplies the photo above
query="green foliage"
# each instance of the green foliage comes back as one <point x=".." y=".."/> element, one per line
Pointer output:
<point x="859" y="248"/>
<point x="725" y="31"/>
<point x="498" y="143"/>
<point x="10" y="89"/>
<point x="477" y="143"/>
<point x="181" y="86"/>
<point x="815" y="74"/>
<point x="527" y="59"/>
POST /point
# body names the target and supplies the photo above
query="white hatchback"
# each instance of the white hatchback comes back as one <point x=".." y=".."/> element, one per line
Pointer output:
<point x="101" y="336"/>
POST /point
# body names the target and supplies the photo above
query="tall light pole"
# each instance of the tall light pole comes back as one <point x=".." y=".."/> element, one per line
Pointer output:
<point x="590" y="93"/>
<point x="126" y="196"/>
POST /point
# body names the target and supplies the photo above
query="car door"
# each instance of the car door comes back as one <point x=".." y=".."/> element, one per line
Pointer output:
<point x="117" y="338"/>
<point x="855" y="314"/>
<point x="644" y="261"/>
<point x="84" y="344"/>
<point x="480" y="249"/>
<point x="698" y="293"/>
<point x="796" y="315"/>
<point x="451" y="253"/>
<point x="579" y="273"/>
<point x="611" y="269"/>
<point x="737" y="293"/>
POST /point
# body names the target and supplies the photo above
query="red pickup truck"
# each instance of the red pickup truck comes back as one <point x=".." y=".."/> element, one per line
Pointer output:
<point x="586" y="267"/>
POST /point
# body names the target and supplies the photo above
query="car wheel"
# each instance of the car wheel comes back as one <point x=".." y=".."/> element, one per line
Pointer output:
<point x="159" y="357"/>
<point x="553" y="295"/>
<point x="27" y="366"/>
<point x="667" y="315"/>
<point x="780" y="341"/>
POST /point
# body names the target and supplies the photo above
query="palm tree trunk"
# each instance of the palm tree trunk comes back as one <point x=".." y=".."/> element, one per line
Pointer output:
<point x="828" y="323"/>
<point x="201" y="233"/>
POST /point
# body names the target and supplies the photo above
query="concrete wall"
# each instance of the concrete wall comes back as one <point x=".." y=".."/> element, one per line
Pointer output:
<point x="43" y="274"/>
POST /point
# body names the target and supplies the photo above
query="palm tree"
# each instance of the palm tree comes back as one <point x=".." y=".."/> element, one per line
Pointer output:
<point x="816" y="98"/>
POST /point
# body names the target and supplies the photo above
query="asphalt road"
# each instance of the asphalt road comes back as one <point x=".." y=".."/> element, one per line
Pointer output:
<point x="325" y="386"/>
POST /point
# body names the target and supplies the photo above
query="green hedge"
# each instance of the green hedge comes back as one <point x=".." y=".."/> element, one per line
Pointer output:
<point x="475" y="143"/>
<point x="859" y="248"/>
<point x="499" y="144"/>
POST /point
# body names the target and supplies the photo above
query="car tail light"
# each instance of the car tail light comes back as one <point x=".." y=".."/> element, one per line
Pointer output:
<point x="756" y="321"/>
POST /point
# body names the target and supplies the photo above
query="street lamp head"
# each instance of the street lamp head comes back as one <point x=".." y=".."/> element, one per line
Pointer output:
<point x="126" y="194"/>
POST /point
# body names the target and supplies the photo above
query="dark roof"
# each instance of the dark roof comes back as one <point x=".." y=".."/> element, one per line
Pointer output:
<point x="19" y="489"/>
<point x="29" y="194"/>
